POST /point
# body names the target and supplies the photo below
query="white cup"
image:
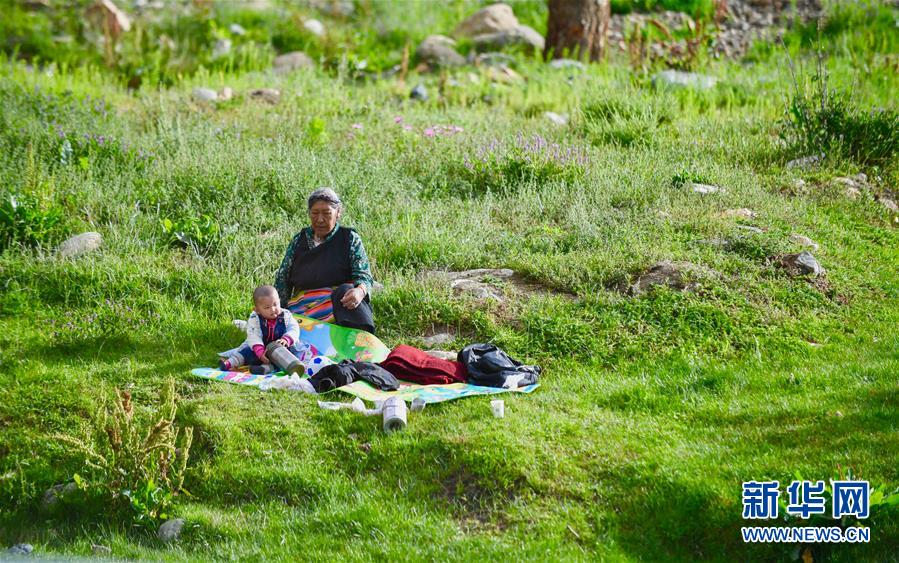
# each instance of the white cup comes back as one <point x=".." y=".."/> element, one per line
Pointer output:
<point x="499" y="408"/>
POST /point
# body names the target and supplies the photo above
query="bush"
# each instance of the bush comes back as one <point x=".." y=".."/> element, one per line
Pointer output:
<point x="135" y="465"/>
<point x="823" y="121"/>
<point x="27" y="220"/>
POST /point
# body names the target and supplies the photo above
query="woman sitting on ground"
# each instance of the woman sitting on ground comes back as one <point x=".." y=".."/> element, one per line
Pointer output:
<point x="325" y="273"/>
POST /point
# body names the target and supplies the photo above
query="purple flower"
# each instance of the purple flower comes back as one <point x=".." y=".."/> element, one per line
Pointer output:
<point x="357" y="126"/>
<point x="429" y="132"/>
<point x="398" y="119"/>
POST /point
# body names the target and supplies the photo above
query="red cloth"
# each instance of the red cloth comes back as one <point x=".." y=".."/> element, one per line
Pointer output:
<point x="411" y="364"/>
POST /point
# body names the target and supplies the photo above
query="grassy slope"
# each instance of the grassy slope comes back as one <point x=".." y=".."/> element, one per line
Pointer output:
<point x="652" y="411"/>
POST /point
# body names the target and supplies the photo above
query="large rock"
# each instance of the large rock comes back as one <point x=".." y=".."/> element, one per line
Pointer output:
<point x="492" y="19"/>
<point x="289" y="62"/>
<point x="438" y="339"/>
<point x="802" y="264"/>
<point x="20" y="549"/>
<point x="54" y="493"/>
<point x="521" y="35"/>
<point x="681" y="79"/>
<point x="80" y="244"/>
<point x="170" y="530"/>
<point x="439" y="50"/>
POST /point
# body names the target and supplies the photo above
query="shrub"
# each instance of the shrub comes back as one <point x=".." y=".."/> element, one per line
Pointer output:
<point x="823" y="121"/>
<point x="27" y="220"/>
<point x="200" y="233"/>
<point x="134" y="464"/>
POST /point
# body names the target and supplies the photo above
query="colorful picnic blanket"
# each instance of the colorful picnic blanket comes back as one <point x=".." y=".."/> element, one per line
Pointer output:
<point x="361" y="389"/>
<point x="341" y="343"/>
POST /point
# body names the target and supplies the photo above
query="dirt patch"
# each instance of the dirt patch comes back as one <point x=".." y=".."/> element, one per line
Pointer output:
<point x="473" y="505"/>
<point x="498" y="284"/>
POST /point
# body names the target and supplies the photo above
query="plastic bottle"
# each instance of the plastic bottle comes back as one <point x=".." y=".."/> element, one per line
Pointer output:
<point x="394" y="414"/>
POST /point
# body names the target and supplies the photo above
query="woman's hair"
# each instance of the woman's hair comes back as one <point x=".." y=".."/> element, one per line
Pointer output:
<point x="327" y="195"/>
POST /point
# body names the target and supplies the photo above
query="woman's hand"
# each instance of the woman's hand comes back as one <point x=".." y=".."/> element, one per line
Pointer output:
<point x="353" y="297"/>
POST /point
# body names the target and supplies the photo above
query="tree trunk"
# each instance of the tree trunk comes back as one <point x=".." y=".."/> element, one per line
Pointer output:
<point x="578" y="28"/>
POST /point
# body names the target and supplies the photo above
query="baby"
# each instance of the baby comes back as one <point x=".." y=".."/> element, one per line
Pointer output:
<point x="267" y="323"/>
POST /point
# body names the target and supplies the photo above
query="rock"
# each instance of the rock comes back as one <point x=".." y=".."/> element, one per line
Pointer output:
<point x="852" y="192"/>
<point x="170" y="530"/>
<point x="557" y="119"/>
<point x="225" y="94"/>
<point x="334" y="8"/>
<point x="476" y="289"/>
<point x="889" y="204"/>
<point x="665" y="273"/>
<point x="705" y="188"/>
<point x="221" y="49"/>
<point x="492" y="59"/>
<point x="566" y="64"/>
<point x="802" y="264"/>
<point x="290" y="62"/>
<point x="521" y="35"/>
<point x="80" y="244"/>
<point x="443" y="354"/>
<point x="100" y="550"/>
<point x="803" y="241"/>
<point x="503" y="74"/>
<point x="314" y="27"/>
<point x="681" y="79"/>
<point x="751" y="229"/>
<point x="439" y="50"/>
<point x="806" y="161"/>
<point x="105" y="17"/>
<point x="20" y="549"/>
<point x="480" y="273"/>
<point x="205" y="95"/>
<point x="268" y="95"/>
<point x="741" y="213"/>
<point x="237" y="29"/>
<point x="492" y="19"/>
<point x="438" y="339"/>
<point x="419" y="93"/>
<point x="53" y="494"/>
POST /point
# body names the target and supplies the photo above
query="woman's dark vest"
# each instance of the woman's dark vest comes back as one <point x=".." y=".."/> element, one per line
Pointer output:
<point x="328" y="264"/>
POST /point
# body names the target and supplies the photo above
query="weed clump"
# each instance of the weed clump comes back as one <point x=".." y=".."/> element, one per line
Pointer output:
<point x="134" y="466"/>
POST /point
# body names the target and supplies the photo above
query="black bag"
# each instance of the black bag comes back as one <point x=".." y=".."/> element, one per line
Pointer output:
<point x="346" y="372"/>
<point x="490" y="367"/>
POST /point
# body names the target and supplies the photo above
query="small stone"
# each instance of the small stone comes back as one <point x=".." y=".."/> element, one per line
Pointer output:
<point x="491" y="59"/>
<point x="237" y="29"/>
<point x="438" y="339"/>
<point x="681" y="79"/>
<point x="290" y="62"/>
<point x="705" y="188"/>
<point x="419" y="93"/>
<point x="221" y="49"/>
<point x="751" y="229"/>
<point x="205" y="94"/>
<point x="314" y="27"/>
<point x="80" y="244"/>
<point x="225" y="94"/>
<point x="557" y="119"/>
<point x="802" y="264"/>
<point x="170" y="530"/>
<point x="566" y="64"/>
<point x="889" y="204"/>
<point x="803" y="241"/>
<point x="503" y="74"/>
<point x="492" y="19"/>
<point x="741" y="213"/>
<point x="100" y="550"/>
<point x="365" y="447"/>
<point x="806" y="161"/>
<point x="20" y="549"/>
<point x="268" y="95"/>
<point x="852" y="192"/>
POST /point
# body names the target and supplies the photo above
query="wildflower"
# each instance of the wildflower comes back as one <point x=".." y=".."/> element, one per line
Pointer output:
<point x="407" y="128"/>
<point x="398" y="119"/>
<point x="429" y="132"/>
<point x="357" y="126"/>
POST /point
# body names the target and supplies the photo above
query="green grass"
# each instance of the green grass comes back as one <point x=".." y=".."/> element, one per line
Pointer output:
<point x="652" y="410"/>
